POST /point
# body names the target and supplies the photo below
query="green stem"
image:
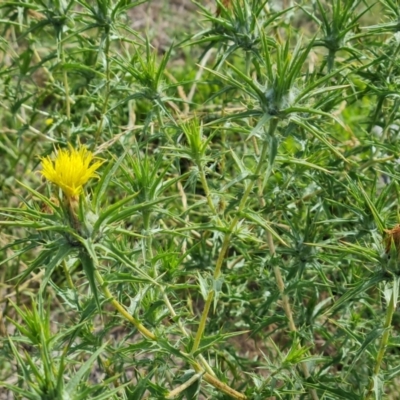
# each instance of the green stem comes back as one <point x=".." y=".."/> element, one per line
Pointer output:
<point x="377" y="113"/>
<point x="149" y="255"/>
<point x="392" y="61"/>
<point x="108" y="75"/>
<point x="331" y="60"/>
<point x="211" y="379"/>
<point x="174" y="393"/>
<point x="121" y="309"/>
<point x="206" y="189"/>
<point x="148" y="240"/>
<point x="228" y="236"/>
<point x="66" y="86"/>
<point x="67" y="275"/>
<point x="288" y="309"/>
<point x="281" y="287"/>
<point x="161" y="123"/>
<point x="184" y="330"/>
<point x="160" y="120"/>
<point x="391" y="307"/>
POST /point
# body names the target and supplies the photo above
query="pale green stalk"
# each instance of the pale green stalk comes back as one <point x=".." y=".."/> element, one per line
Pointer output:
<point x="108" y="78"/>
<point x="206" y="189"/>
<point x="287" y="308"/>
<point x="228" y="236"/>
<point x="68" y="278"/>
<point x="148" y="242"/>
<point x="151" y="336"/>
<point x="149" y="255"/>
<point x="391" y="308"/>
<point x="281" y="285"/>
<point x="66" y="85"/>
<point x="174" y="393"/>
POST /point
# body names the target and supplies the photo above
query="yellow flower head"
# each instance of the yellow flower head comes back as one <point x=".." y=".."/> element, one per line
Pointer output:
<point x="70" y="170"/>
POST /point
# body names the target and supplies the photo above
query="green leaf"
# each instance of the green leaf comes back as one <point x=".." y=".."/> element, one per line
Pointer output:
<point x="140" y="389"/>
<point x="209" y="341"/>
<point x="337" y="392"/>
<point x="193" y="391"/>
<point x="22" y="392"/>
<point x="204" y="287"/>
<point x="63" y="251"/>
<point x="105" y="180"/>
<point x="87" y="259"/>
<point x="378" y="220"/>
<point x="252" y="216"/>
<point x="370" y="338"/>
<point x="319" y="135"/>
<point x="72" y="385"/>
<point x="351" y="294"/>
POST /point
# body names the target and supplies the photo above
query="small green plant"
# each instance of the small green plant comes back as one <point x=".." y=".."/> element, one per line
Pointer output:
<point x="216" y="218"/>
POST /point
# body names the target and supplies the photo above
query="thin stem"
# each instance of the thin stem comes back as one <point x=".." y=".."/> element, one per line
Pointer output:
<point x="211" y="379"/>
<point x="67" y="275"/>
<point x="31" y="128"/>
<point x="392" y="60"/>
<point x="149" y="254"/>
<point x="228" y="236"/>
<point x="160" y="118"/>
<point x="108" y="75"/>
<point x="148" y="240"/>
<point x="39" y="60"/>
<point x="199" y="73"/>
<point x="331" y="60"/>
<point x="184" y="330"/>
<point x="391" y="307"/>
<point x="378" y="110"/>
<point x="66" y="86"/>
<point x="184" y="386"/>
<point x="281" y="285"/>
<point x="206" y="189"/>
<point x="161" y="122"/>
<point x="121" y="309"/>
<point x="287" y="308"/>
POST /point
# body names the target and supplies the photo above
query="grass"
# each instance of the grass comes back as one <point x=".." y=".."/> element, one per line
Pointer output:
<point x="240" y="239"/>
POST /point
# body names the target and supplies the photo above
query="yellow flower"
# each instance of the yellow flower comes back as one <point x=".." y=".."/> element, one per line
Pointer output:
<point x="70" y="170"/>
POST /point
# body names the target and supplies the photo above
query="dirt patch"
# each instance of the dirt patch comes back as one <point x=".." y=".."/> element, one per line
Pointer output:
<point x="165" y="22"/>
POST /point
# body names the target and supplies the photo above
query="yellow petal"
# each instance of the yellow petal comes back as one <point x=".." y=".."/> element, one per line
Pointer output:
<point x="71" y="169"/>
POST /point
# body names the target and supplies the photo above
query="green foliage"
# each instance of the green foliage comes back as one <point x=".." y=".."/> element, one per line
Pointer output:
<point x="241" y="240"/>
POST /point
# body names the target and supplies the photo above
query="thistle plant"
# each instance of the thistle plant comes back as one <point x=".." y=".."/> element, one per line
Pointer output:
<point x="215" y="218"/>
